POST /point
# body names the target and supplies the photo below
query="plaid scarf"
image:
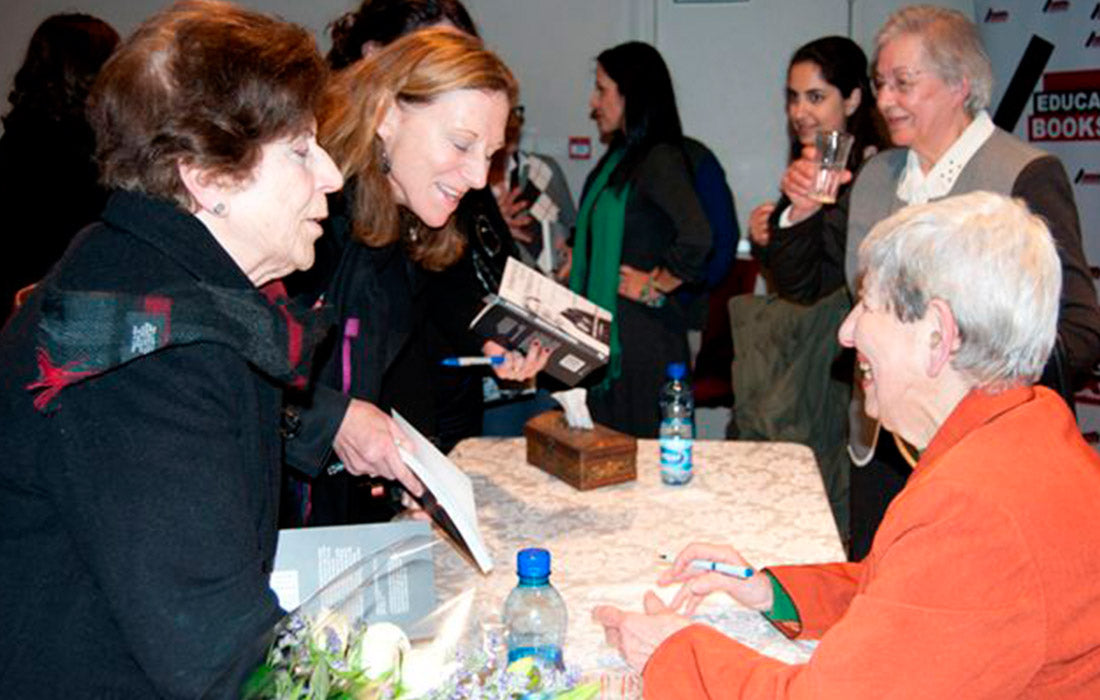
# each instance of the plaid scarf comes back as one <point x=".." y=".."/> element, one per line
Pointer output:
<point x="84" y="334"/>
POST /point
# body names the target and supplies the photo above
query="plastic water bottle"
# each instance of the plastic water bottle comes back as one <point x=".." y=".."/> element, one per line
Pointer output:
<point x="534" y="613"/>
<point x="677" y="426"/>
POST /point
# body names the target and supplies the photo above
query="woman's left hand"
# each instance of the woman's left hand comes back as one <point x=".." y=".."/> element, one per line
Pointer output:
<point x="637" y="635"/>
<point x="515" y="213"/>
<point x="517" y="367"/>
<point x="636" y="285"/>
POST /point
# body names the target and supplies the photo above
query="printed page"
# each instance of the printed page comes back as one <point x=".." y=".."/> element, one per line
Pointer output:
<point x="352" y="567"/>
<point x="557" y="305"/>
<point x="448" y="494"/>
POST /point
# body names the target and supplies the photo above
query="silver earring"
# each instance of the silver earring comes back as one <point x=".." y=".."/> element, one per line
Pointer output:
<point x="384" y="166"/>
<point x="219" y="209"/>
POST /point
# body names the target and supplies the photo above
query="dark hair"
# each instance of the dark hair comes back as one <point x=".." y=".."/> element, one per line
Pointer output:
<point x="844" y="66"/>
<point x="206" y="83"/>
<point x="65" y="53"/>
<point x="383" y="21"/>
<point x="650" y="115"/>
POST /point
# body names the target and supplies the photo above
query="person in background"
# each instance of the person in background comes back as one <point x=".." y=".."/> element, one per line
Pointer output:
<point x="828" y="89"/>
<point x="784" y="376"/>
<point x="143" y="379"/>
<point x="376" y="23"/>
<point x="47" y="139"/>
<point x="932" y="82"/>
<point x="413" y="126"/>
<point x="981" y="582"/>
<point x="641" y="233"/>
<point x="535" y="201"/>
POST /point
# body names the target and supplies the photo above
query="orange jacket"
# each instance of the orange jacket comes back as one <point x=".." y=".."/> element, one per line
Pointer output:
<point x="983" y="580"/>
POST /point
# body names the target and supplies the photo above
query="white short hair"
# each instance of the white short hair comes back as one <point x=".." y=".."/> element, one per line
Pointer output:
<point x="992" y="261"/>
<point x="952" y="45"/>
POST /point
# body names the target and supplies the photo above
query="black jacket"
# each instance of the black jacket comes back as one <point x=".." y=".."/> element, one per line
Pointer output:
<point x="140" y="507"/>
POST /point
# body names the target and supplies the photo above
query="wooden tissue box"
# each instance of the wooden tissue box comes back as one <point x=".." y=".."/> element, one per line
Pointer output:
<point x="584" y="459"/>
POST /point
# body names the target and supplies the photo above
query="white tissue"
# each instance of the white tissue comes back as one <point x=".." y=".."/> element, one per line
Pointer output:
<point x="576" y="408"/>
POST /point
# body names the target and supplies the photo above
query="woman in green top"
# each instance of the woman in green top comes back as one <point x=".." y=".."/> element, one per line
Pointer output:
<point x="641" y="232"/>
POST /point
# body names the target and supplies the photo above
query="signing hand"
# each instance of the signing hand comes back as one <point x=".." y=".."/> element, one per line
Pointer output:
<point x="759" y="231"/>
<point x="518" y="367"/>
<point x="367" y="442"/>
<point x="754" y="592"/>
<point x="515" y="213"/>
<point x="637" y="635"/>
<point x="799" y="180"/>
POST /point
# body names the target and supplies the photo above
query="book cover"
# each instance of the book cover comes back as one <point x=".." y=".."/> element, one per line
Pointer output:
<point x="530" y="306"/>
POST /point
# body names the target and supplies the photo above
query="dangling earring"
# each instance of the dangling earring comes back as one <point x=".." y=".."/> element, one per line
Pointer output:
<point x="384" y="165"/>
<point x="219" y="209"/>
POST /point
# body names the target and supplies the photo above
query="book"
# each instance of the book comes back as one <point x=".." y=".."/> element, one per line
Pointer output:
<point x="448" y="494"/>
<point x="530" y="306"/>
<point x="378" y="571"/>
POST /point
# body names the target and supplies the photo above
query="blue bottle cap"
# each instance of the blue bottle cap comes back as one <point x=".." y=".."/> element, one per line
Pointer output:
<point x="676" y="370"/>
<point x="533" y="563"/>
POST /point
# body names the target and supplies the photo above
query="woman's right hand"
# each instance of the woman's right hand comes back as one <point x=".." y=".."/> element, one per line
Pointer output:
<point x="754" y="592"/>
<point x="759" y="231"/>
<point x="798" y="181"/>
<point x="367" y="441"/>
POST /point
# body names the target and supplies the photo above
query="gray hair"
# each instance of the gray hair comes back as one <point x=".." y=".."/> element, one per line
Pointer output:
<point x="995" y="265"/>
<point x="952" y="45"/>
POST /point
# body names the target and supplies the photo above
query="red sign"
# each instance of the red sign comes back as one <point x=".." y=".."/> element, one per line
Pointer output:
<point x="580" y="147"/>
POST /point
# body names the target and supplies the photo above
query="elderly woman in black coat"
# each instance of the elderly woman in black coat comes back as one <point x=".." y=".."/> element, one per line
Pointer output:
<point x="142" y="381"/>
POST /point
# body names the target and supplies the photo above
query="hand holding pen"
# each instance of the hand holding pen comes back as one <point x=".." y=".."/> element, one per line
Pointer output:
<point x="706" y="568"/>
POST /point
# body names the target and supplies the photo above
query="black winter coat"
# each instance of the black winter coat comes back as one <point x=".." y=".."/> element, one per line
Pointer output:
<point x="140" y="508"/>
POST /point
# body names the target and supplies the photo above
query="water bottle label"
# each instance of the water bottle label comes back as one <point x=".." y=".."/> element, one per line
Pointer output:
<point x="675" y="460"/>
<point x="545" y="652"/>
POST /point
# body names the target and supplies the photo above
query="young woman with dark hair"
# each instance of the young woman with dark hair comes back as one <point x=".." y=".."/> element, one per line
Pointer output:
<point x="827" y="88"/>
<point x="641" y="233"/>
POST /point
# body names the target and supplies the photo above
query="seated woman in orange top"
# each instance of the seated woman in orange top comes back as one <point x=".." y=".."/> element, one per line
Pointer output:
<point x="981" y="582"/>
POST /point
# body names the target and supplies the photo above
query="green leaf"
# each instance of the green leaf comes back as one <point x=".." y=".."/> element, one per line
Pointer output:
<point x="260" y="684"/>
<point x="581" y="692"/>
<point x="319" y="681"/>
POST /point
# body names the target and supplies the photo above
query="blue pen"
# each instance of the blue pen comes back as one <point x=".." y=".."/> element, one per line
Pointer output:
<point x="475" y="361"/>
<point x="741" y="572"/>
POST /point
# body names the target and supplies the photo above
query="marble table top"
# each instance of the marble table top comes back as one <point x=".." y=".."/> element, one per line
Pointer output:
<point x="765" y="499"/>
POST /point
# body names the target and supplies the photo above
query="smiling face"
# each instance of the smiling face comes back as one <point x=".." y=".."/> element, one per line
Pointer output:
<point x="920" y="109"/>
<point x="440" y="150"/>
<point x="271" y="220"/>
<point x="814" y="105"/>
<point x="607" y="104"/>
<point x="891" y="364"/>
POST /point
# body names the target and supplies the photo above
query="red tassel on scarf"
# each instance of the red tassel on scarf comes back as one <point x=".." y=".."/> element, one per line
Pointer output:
<point x="52" y="379"/>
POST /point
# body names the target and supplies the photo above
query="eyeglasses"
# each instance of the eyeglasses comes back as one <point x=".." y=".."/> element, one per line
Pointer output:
<point x="903" y="83"/>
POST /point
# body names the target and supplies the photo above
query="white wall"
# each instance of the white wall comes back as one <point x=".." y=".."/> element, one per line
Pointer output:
<point x="728" y="62"/>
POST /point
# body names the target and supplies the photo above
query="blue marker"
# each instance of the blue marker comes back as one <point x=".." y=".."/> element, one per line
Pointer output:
<point x="741" y="572"/>
<point x="493" y="360"/>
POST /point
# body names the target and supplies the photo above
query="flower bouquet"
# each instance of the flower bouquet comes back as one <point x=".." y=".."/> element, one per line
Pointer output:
<point x="334" y="647"/>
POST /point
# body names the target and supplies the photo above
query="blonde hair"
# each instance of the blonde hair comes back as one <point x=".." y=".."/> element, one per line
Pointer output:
<point x="416" y="69"/>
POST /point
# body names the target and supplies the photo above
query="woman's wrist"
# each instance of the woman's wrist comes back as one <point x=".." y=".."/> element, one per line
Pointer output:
<point x="650" y="294"/>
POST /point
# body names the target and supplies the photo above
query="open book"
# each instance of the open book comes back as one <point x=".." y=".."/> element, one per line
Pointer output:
<point x="448" y="494"/>
<point x="530" y="306"/>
